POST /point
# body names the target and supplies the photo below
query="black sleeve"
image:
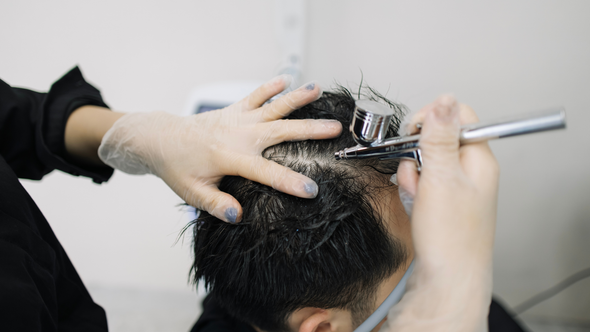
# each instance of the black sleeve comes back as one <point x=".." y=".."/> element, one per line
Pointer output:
<point x="32" y="127"/>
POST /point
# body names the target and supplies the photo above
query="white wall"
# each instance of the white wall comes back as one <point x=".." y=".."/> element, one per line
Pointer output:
<point x="500" y="57"/>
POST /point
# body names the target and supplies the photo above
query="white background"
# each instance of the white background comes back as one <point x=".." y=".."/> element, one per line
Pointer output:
<point x="500" y="57"/>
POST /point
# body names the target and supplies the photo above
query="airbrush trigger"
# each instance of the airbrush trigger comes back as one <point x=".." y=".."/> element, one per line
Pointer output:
<point x="415" y="155"/>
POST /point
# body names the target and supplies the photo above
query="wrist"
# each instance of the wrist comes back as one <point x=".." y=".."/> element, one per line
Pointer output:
<point x="84" y="131"/>
<point x="450" y="299"/>
<point x="460" y="287"/>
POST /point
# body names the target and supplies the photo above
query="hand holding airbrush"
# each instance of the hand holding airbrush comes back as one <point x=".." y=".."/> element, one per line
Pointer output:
<point x="371" y="121"/>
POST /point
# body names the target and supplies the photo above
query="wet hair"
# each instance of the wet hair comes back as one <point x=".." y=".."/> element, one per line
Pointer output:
<point x="288" y="252"/>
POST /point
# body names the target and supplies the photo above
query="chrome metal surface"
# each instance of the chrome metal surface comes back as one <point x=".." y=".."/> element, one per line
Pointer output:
<point x="523" y="124"/>
<point x="370" y="122"/>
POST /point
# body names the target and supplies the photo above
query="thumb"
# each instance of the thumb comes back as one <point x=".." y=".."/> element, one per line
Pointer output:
<point x="219" y="204"/>
<point x="407" y="182"/>
<point x="439" y="139"/>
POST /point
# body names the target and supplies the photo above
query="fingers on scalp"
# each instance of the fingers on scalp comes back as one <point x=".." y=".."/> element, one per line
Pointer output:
<point x="219" y="204"/>
<point x="267" y="91"/>
<point x="283" y="106"/>
<point x="299" y="130"/>
<point x="277" y="176"/>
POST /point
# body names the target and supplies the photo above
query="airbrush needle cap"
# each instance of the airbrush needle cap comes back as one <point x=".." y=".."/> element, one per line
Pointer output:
<point x="370" y="122"/>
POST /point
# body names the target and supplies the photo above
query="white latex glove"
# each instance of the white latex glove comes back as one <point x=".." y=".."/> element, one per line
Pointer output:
<point x="192" y="154"/>
<point x="453" y="224"/>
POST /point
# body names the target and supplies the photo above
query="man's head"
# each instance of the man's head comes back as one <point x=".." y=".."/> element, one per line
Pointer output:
<point x="292" y="262"/>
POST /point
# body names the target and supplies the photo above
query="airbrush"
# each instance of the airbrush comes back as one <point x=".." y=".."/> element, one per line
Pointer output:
<point x="371" y="121"/>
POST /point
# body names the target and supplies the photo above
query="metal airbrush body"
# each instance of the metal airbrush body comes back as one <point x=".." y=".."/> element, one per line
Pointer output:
<point x="371" y="121"/>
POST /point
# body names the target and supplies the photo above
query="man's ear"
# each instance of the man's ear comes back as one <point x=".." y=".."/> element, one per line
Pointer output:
<point x="318" y="321"/>
<point x="322" y="320"/>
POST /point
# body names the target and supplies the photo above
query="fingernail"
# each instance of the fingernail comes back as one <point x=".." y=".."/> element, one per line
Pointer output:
<point x="332" y="124"/>
<point x="447" y="100"/>
<point x="445" y="107"/>
<point x="320" y="93"/>
<point x="309" y="86"/>
<point x="311" y="188"/>
<point x="443" y="112"/>
<point x="393" y="179"/>
<point x="231" y="214"/>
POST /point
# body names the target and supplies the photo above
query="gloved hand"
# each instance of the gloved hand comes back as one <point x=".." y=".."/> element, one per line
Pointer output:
<point x="192" y="154"/>
<point x="453" y="225"/>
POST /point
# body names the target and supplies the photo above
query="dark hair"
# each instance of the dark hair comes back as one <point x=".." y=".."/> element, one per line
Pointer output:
<point x="288" y="252"/>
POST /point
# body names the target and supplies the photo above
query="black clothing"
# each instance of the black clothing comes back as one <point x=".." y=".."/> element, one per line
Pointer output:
<point x="40" y="289"/>
<point x="32" y="127"/>
<point x="216" y="319"/>
<point x="500" y="319"/>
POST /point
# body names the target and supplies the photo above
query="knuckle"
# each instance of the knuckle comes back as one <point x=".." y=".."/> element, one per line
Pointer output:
<point x="309" y="128"/>
<point x="291" y="100"/>
<point x="216" y="203"/>
<point x="197" y="200"/>
<point x="279" y="129"/>
<point x="274" y="109"/>
<point x="467" y="108"/>
<point x="437" y="150"/>
<point x="278" y="177"/>
<point x="494" y="167"/>
<point x="439" y="140"/>
<point x="467" y="113"/>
